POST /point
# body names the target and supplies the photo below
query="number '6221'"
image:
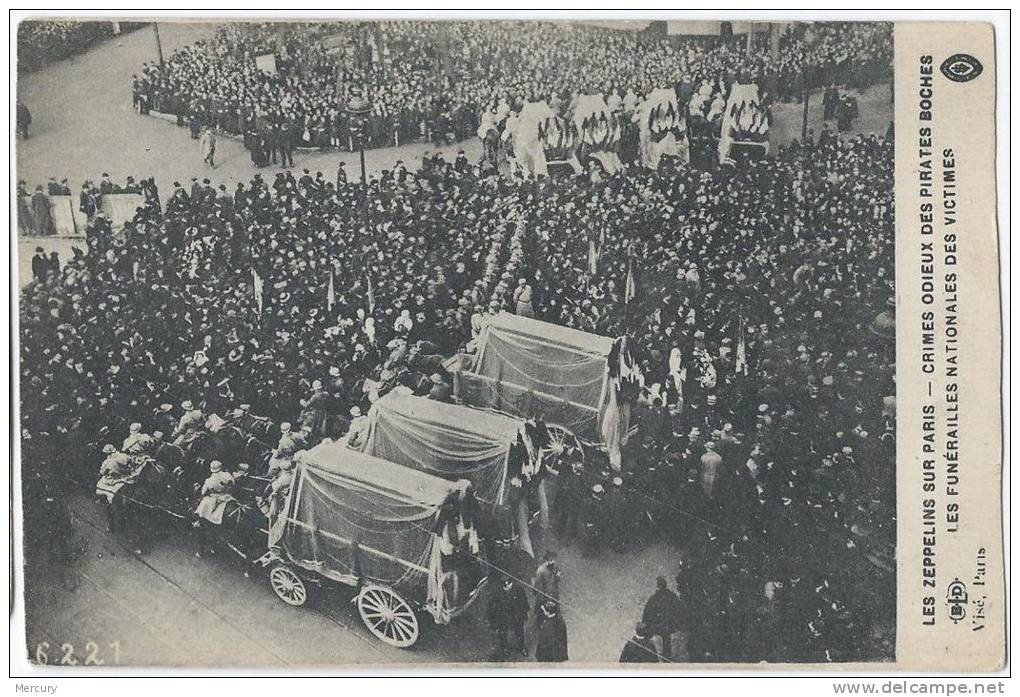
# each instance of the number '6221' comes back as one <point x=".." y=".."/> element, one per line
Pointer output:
<point x="92" y="654"/>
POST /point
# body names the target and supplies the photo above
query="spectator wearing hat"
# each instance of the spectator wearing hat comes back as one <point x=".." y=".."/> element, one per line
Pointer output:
<point x="41" y="215"/>
<point x="507" y="613"/>
<point x="40" y="266"/>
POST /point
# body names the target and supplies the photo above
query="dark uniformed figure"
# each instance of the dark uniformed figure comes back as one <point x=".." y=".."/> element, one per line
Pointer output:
<point x="619" y="521"/>
<point x="662" y="615"/>
<point x="507" y="613"/>
<point x="570" y="494"/>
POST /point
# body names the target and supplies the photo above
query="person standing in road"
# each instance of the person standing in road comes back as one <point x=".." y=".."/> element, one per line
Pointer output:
<point x="662" y="615"/>
<point x="24" y="117"/>
<point x="547" y="580"/>
<point x="507" y="613"/>
<point x="209" y="147"/>
<point x="552" y="634"/>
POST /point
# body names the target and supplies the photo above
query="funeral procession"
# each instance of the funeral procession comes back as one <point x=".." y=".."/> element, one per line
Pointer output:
<point x="444" y="341"/>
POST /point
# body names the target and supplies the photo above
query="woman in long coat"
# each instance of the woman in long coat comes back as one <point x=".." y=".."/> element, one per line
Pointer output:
<point x="552" y="634"/>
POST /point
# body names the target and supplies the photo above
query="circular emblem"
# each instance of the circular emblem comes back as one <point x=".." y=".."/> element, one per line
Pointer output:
<point x="961" y="67"/>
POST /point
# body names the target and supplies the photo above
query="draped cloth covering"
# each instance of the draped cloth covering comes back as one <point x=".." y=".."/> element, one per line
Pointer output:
<point x="743" y="110"/>
<point x="662" y="128"/>
<point x="529" y="150"/>
<point x="445" y="440"/>
<point x="532" y="368"/>
<point x="352" y="517"/>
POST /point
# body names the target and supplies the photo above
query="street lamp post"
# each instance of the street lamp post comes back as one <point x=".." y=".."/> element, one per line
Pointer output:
<point x="358" y="107"/>
<point x="159" y="45"/>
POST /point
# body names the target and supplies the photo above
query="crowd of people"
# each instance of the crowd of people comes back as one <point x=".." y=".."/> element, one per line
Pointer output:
<point x="434" y="80"/>
<point x="41" y="42"/>
<point x="756" y="296"/>
<point x="765" y="446"/>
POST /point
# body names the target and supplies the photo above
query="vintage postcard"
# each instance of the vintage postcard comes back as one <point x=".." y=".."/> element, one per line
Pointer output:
<point x="348" y="342"/>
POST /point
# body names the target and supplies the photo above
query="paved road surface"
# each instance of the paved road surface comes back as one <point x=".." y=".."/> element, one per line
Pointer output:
<point x="171" y="608"/>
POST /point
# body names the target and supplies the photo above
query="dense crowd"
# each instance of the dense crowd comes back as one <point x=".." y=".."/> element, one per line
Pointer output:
<point x="765" y="448"/>
<point x="43" y="42"/>
<point x="435" y="79"/>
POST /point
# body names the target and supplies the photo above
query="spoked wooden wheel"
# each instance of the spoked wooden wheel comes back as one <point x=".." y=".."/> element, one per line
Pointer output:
<point x="560" y="439"/>
<point x="388" y="616"/>
<point x="288" y="586"/>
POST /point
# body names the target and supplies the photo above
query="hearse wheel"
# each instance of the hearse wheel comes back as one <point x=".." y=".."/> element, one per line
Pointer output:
<point x="559" y="438"/>
<point x="388" y="616"/>
<point x="288" y="586"/>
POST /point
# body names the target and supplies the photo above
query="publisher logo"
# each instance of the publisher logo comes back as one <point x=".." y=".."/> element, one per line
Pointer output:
<point x="961" y="67"/>
<point x="956" y="600"/>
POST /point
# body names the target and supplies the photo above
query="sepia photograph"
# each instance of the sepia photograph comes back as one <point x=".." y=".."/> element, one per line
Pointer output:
<point x="509" y="343"/>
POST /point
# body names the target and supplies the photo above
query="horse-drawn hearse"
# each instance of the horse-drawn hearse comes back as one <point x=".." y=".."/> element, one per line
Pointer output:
<point x="580" y="384"/>
<point x="499" y="454"/>
<point x="405" y="539"/>
<point x="331" y="515"/>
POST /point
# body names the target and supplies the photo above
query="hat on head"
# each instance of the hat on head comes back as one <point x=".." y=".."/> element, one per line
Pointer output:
<point x="135" y="427"/>
<point x="108" y="448"/>
<point x="355" y="411"/>
<point x="215" y="466"/>
<point x="165" y="407"/>
<point x="187" y="405"/>
<point x="285" y="427"/>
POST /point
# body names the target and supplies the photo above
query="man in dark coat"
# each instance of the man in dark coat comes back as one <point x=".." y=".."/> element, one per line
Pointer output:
<point x="552" y="634"/>
<point x="639" y="648"/>
<point x="41" y="212"/>
<point x="662" y="615"/>
<point x="507" y="612"/>
<point x="87" y="201"/>
<point x="40" y="265"/>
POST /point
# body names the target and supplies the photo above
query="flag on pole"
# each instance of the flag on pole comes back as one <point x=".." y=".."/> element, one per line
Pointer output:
<point x="257" y="288"/>
<point x="330" y="292"/>
<point x="371" y="293"/>
<point x="630" y="289"/>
